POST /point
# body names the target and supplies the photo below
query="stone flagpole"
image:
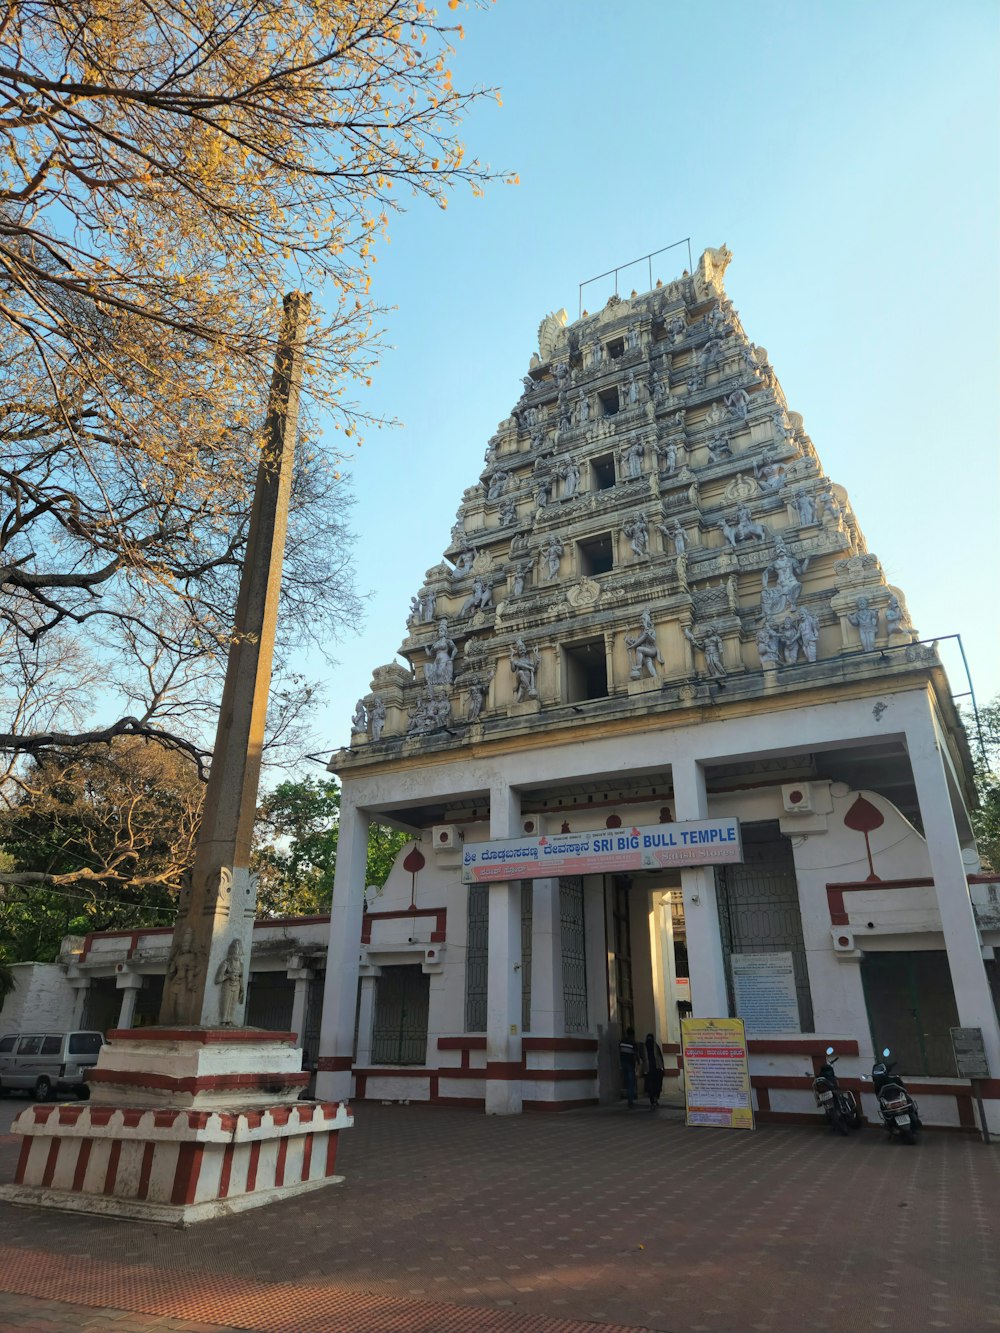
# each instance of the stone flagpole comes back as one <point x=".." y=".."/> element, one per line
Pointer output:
<point x="206" y="976"/>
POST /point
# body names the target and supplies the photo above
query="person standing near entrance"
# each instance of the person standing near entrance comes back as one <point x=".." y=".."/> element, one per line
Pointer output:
<point x="628" y="1055"/>
<point x="653" y="1081"/>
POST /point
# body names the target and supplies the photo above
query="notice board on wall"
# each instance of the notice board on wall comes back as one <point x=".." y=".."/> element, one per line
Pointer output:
<point x="764" y="991"/>
<point x="716" y="1073"/>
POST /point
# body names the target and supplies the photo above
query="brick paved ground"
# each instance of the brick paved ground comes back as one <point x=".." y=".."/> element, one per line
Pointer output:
<point x="452" y="1222"/>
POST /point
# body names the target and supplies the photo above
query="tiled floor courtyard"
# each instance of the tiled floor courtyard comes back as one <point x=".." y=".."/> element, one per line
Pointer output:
<point x="452" y="1222"/>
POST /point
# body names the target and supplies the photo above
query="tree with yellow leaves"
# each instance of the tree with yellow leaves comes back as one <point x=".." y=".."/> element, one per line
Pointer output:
<point x="168" y="169"/>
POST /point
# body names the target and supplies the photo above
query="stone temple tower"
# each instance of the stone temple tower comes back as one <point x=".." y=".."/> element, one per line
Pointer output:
<point x="652" y="526"/>
<point x="654" y="609"/>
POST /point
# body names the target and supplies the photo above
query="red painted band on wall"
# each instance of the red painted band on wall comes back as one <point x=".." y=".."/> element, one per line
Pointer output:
<point x="193" y="1084"/>
<point x="440" y="915"/>
<point x="82" y="1162"/>
<point x="111" y="1175"/>
<point x="189" y="1159"/>
<point x="335" y="1064"/>
<point x="205" y="1036"/>
<point x="146" y="1170"/>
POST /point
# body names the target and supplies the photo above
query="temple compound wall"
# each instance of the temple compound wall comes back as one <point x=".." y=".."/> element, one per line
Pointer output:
<point x="655" y="607"/>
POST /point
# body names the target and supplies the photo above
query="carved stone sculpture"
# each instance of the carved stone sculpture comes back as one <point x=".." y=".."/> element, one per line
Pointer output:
<point x="508" y="511"/>
<point x="359" y="722"/>
<point x="551" y="332"/>
<point x="543" y="493"/>
<point x="808" y="633"/>
<point x="643" y="646"/>
<point x="631" y="394"/>
<point x="229" y="977"/>
<point x="865" y="618"/>
<point x="497" y="484"/>
<point x="770" y="474"/>
<point x="441" y="671"/>
<point x="676" y="533"/>
<point x="805" y="507"/>
<point x="582" y="408"/>
<point x="376" y="717"/>
<point x="631" y="338"/>
<point x="464" y="563"/>
<point x="896" y="620"/>
<point x="738" y="403"/>
<point x="710" y="643"/>
<point x="632" y="455"/>
<point x="475" y="696"/>
<point x="184" y="965"/>
<point x="552" y="553"/>
<point x="710" y="351"/>
<point x="790" y="640"/>
<point x="768" y="646"/>
<point x="719" y="448"/>
<point x="523" y="665"/>
<point x="428" y="605"/>
<point x="480" y="599"/>
<point x="569" y="472"/>
<point x="521" y="571"/>
<point x="677" y="329"/>
<point x="745" y="529"/>
<point x="636" y="529"/>
<point x="783" y="594"/>
<point x="414" y="616"/>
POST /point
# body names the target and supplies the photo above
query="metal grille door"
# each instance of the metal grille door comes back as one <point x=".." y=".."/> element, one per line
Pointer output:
<point x="622" y="924"/>
<point x="759" y="908"/>
<point x="399" y="1035"/>
<point x="270" y="997"/>
<point x="477" y="954"/>
<point x="527" y="916"/>
<point x="574" y="953"/>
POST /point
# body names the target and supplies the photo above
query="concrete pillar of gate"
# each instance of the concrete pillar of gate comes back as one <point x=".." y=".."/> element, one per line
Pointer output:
<point x="301" y="977"/>
<point x="958" y="922"/>
<point x="81" y="985"/>
<point x="548" y="1012"/>
<point x="709" y="997"/>
<point x="340" y="997"/>
<point x="129" y="983"/>
<point x="503" y="985"/>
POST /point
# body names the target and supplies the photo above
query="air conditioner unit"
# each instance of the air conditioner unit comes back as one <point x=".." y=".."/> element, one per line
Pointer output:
<point x="445" y="837"/>
<point x="797" y="798"/>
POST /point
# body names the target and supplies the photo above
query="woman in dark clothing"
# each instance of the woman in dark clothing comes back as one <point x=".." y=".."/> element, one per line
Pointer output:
<point x="653" y="1079"/>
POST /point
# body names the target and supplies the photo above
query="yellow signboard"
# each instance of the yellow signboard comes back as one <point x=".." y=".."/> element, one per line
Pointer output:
<point x="716" y="1073"/>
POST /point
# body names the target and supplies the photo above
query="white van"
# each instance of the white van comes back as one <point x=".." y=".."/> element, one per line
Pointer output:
<point x="47" y="1062"/>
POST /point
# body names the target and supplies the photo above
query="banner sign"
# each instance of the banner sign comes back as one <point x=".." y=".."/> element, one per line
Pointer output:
<point x="604" y="851"/>
<point x="765" y="993"/>
<point x="716" y="1073"/>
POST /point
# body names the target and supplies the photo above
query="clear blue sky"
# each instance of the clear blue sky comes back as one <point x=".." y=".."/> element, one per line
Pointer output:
<point x="846" y="152"/>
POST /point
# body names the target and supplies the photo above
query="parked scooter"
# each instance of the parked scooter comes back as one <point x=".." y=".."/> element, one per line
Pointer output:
<point x="895" y="1105"/>
<point x="838" y="1105"/>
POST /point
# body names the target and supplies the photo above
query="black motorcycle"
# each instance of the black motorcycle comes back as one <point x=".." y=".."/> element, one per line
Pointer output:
<point x="838" y="1105"/>
<point x="895" y="1105"/>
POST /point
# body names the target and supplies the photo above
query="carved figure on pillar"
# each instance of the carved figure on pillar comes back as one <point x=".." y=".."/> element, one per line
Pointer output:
<point x="521" y="571"/>
<point x="644" y="649"/>
<point x="475" y="696"/>
<point x="676" y="533"/>
<point x="631" y="394"/>
<point x="865" y="618"/>
<point x="229" y="978"/>
<point x="632" y="455"/>
<point x="808" y="633"/>
<point x="667" y="455"/>
<point x="552" y="553"/>
<point x="582" y="408"/>
<point x="569" y="472"/>
<point x="523" y="665"/>
<point x="182" y="971"/>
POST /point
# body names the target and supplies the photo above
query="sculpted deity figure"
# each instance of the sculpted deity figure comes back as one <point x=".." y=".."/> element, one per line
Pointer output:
<point x="552" y="553"/>
<point x="783" y="594"/>
<point x="745" y="528"/>
<point x="768" y="646"/>
<point x="464" y="563"/>
<point x="415" y="609"/>
<point x="631" y="394"/>
<point x="359" y="722"/>
<point x="655" y="386"/>
<point x="710" y="351"/>
<point x="428" y="605"/>
<point x="738" y="403"/>
<point x="570" y="474"/>
<point x="582" y="408"/>
<point x="475" y="696"/>
<point x="543" y="493"/>
<point x="523" y="665"/>
<point x="770" y="475"/>
<point x="596" y="353"/>
<point x="521" y="571"/>
<point x="676" y="533"/>
<point x="631" y="338"/>
<point x="229" y="977"/>
<point x="718" y="448"/>
<point x="895" y="616"/>
<point x="632" y="455"/>
<point x="667" y="455"/>
<point x="710" y="643"/>
<point x="636" y="529"/>
<point x="182" y="969"/>
<point x="829" y="504"/>
<point x="376" y="717"/>
<point x="507" y="513"/>
<point x="718" y="319"/>
<point x="497" y="484"/>
<point x="441" y="672"/>
<point x="865" y="618"/>
<point x="790" y="640"/>
<point x="805" y="507"/>
<point x="808" y="633"/>
<point x="677" y="328"/>
<point x="480" y="599"/>
<point x="643" y="646"/>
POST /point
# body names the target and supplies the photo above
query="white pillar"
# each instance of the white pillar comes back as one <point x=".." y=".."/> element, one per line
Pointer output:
<point x="503" y="989"/>
<point x="129" y="983"/>
<point x="80" y="985"/>
<point x="958" y="922"/>
<point x="340" y="996"/>
<point x="709" y="998"/>
<point x="366" y="1020"/>
<point x="661" y="931"/>
<point x="548" y="1014"/>
<point x="301" y="976"/>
